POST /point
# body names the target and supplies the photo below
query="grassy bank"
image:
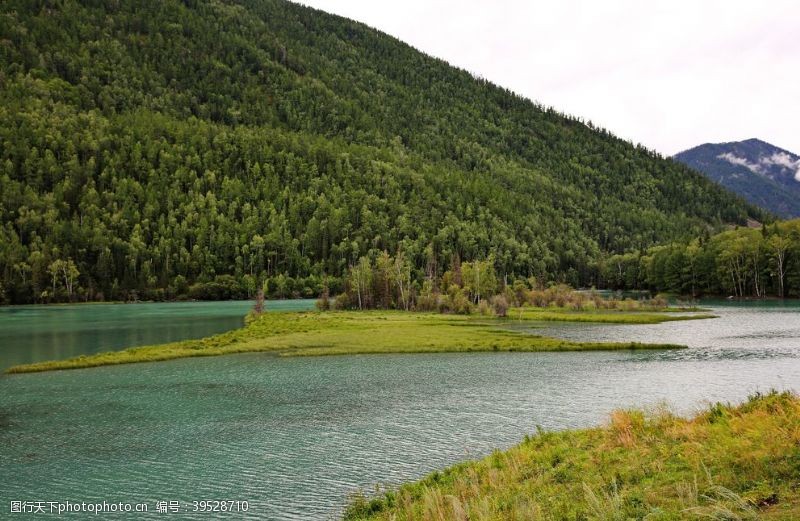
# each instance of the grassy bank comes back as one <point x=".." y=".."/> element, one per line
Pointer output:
<point x="362" y="332"/>
<point x="607" y="316"/>
<point x="728" y="462"/>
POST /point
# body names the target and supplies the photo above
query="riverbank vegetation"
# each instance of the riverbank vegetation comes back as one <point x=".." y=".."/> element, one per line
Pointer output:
<point x="367" y="332"/>
<point x="201" y="149"/>
<point x="742" y="263"/>
<point x="600" y="316"/>
<point x="728" y="462"/>
<point x="468" y="288"/>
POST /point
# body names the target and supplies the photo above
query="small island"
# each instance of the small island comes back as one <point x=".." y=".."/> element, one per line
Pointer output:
<point x="319" y="333"/>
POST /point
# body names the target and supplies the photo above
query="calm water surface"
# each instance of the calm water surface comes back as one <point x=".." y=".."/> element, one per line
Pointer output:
<point x="295" y="436"/>
<point x="37" y="333"/>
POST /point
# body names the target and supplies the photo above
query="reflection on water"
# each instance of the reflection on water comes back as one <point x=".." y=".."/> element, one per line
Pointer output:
<point x="295" y="436"/>
<point x="37" y="333"/>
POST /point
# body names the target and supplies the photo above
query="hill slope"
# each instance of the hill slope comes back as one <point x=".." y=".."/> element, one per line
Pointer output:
<point x="150" y="145"/>
<point x="763" y="174"/>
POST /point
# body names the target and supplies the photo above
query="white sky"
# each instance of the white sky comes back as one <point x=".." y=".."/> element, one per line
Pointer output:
<point x="671" y="74"/>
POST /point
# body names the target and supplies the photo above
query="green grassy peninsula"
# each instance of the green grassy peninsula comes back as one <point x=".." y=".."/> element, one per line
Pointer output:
<point x="368" y="332"/>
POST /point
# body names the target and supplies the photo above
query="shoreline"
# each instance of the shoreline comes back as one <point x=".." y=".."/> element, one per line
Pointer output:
<point x="134" y="302"/>
<point x="314" y="333"/>
<point x="718" y="299"/>
<point x="725" y="462"/>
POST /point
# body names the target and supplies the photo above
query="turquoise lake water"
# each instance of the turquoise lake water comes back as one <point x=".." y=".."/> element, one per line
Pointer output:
<point x="295" y="436"/>
<point x="38" y="333"/>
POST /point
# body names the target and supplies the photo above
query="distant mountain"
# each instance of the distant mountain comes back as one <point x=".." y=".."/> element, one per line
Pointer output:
<point x="764" y="174"/>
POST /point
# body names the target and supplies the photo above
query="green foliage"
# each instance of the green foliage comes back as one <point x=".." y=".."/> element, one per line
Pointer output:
<point x="472" y="287"/>
<point x="479" y="279"/>
<point x="161" y="144"/>
<point x="743" y="262"/>
<point x="64" y="275"/>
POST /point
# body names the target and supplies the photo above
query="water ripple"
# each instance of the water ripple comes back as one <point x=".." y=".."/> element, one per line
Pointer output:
<point x="295" y="437"/>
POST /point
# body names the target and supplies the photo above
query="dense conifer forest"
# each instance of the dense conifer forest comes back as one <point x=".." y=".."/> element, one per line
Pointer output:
<point x="161" y="149"/>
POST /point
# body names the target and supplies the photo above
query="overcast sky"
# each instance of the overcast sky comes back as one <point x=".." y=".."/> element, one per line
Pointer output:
<point x="670" y="74"/>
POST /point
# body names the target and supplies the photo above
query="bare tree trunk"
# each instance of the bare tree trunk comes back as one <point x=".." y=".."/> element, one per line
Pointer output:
<point x="358" y="287"/>
<point x="755" y="274"/>
<point x="397" y="266"/>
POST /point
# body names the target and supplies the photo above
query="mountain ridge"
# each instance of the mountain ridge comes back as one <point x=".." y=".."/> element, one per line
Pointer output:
<point x="765" y="175"/>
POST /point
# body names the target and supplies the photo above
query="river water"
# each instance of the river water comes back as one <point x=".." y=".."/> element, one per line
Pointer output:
<point x="294" y="437"/>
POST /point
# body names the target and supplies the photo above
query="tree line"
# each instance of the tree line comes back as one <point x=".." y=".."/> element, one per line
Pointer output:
<point x="386" y="282"/>
<point x="743" y="262"/>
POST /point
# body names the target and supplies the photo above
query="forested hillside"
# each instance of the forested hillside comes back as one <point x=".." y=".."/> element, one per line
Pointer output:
<point x="156" y="149"/>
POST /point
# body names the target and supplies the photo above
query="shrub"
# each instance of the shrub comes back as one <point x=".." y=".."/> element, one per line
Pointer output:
<point x="342" y="301"/>
<point x="659" y="301"/>
<point x="456" y="301"/>
<point x="258" y="307"/>
<point x="520" y="291"/>
<point x="324" y="301"/>
<point x="500" y="305"/>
